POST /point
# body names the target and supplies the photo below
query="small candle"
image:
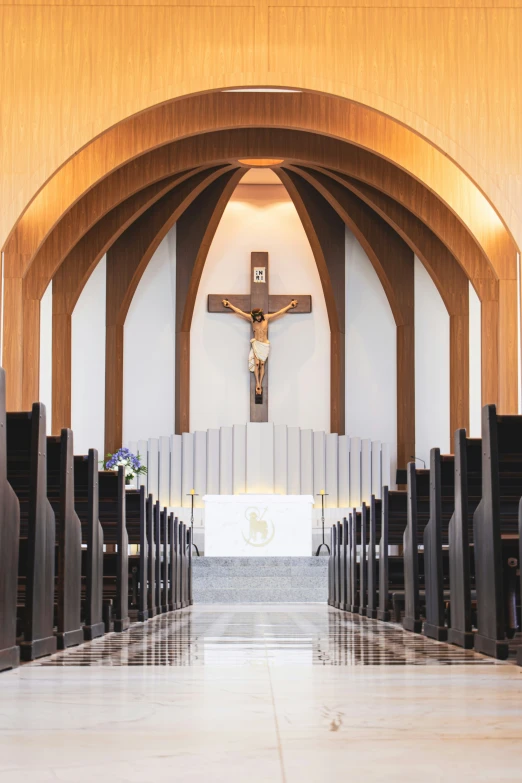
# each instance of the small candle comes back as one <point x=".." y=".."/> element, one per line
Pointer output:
<point x="192" y="491"/>
<point x="322" y="492"/>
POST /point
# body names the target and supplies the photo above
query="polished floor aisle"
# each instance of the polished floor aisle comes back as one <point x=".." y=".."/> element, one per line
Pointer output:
<point x="283" y="694"/>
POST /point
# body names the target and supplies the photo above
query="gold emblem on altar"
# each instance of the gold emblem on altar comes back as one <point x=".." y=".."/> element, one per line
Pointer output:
<point x="258" y="531"/>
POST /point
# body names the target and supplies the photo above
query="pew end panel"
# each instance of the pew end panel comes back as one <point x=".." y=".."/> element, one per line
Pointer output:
<point x="9" y="546"/>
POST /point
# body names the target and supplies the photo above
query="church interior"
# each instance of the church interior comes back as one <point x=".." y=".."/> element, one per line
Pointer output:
<point x="260" y="390"/>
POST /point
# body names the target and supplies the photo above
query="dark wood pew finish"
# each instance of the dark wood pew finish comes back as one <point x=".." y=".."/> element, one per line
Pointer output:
<point x="190" y="600"/>
<point x="343" y="568"/>
<point x="337" y="555"/>
<point x="373" y="537"/>
<point x="354" y="536"/>
<point x="143" y="609"/>
<point x="173" y="563"/>
<point x="363" y="564"/>
<point x="495" y="516"/>
<point x="157" y="560"/>
<point x="165" y="560"/>
<point x="442" y="504"/>
<point x="60" y="493"/>
<point x="151" y="560"/>
<point x="418" y="509"/>
<point x="27" y="474"/>
<point x="331" y="566"/>
<point x="9" y="544"/>
<point x="86" y="503"/>
<point x="393" y="524"/>
<point x="519" y="651"/>
<point x="468" y="492"/>
<point x="112" y="518"/>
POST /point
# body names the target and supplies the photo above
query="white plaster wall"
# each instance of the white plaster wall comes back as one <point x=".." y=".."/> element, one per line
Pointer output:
<point x="149" y="349"/>
<point x="260" y="217"/>
<point x="88" y="365"/>
<point x="475" y="365"/>
<point x="46" y="353"/>
<point x="432" y="367"/>
<point x="371" y="350"/>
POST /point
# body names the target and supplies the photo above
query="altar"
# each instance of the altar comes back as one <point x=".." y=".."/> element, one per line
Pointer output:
<point x="258" y="525"/>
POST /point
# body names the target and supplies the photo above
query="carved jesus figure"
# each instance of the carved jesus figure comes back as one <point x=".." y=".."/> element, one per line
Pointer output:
<point x="259" y="344"/>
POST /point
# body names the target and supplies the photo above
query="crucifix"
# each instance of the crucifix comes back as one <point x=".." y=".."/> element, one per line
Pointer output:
<point x="255" y="307"/>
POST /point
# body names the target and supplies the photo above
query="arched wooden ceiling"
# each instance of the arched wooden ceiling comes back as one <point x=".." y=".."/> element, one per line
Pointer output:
<point x="132" y="229"/>
<point x="410" y="208"/>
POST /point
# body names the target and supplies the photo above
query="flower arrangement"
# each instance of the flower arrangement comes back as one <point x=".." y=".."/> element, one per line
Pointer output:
<point x="127" y="460"/>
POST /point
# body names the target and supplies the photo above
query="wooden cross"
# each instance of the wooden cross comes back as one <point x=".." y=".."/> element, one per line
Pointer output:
<point x="270" y="303"/>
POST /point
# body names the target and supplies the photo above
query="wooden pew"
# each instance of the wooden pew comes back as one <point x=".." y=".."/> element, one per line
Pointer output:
<point x="519" y="651"/>
<point x="184" y="564"/>
<point x="373" y="571"/>
<point x="60" y="493"/>
<point x="165" y="560"/>
<point x="337" y="566"/>
<point x="418" y="509"/>
<point x="177" y="586"/>
<point x="442" y="505"/>
<point x="9" y="543"/>
<point x="354" y="536"/>
<point x="342" y="527"/>
<point x="27" y="474"/>
<point x="143" y="609"/>
<point x="497" y="516"/>
<point x="112" y="518"/>
<point x="157" y="559"/>
<point x="86" y="503"/>
<point x="173" y="562"/>
<point x="331" y="566"/>
<point x="393" y="523"/>
<point x="151" y="560"/>
<point x="190" y="600"/>
<point x="468" y="494"/>
<point x="363" y="565"/>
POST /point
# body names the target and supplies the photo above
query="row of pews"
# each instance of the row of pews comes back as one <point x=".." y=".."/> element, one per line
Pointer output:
<point x="66" y="529"/>
<point x="443" y="556"/>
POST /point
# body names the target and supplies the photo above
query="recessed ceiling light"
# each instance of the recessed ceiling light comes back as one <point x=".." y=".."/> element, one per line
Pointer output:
<point x="261" y="89"/>
<point x="260" y="161"/>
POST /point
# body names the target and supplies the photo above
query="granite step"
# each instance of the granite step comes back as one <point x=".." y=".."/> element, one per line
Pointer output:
<point x="260" y="579"/>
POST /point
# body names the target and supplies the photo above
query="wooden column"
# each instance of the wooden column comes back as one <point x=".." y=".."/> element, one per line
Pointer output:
<point x="392" y="260"/>
<point x="326" y="234"/>
<point x="194" y="233"/>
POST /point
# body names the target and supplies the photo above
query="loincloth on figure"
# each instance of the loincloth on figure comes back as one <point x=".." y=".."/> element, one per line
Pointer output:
<point x="258" y="351"/>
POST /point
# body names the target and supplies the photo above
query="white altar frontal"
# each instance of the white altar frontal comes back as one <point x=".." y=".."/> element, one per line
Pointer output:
<point x="258" y="525"/>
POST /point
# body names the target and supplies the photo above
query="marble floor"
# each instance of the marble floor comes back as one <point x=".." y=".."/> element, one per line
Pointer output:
<point x="253" y="693"/>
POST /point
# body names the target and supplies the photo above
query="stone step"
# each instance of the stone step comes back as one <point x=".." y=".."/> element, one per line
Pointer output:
<point x="260" y="579"/>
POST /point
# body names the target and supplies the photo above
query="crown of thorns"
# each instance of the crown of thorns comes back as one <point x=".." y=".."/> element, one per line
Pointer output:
<point x="255" y="312"/>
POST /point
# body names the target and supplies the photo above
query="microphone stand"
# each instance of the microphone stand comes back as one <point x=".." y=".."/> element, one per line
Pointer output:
<point x="323" y="543"/>
<point x="192" y="544"/>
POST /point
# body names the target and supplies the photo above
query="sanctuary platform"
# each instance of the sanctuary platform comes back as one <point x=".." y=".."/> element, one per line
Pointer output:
<point x="247" y="580"/>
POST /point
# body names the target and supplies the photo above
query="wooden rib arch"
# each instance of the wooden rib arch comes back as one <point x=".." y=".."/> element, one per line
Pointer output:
<point x="127" y="259"/>
<point x="322" y="114"/>
<point x="443" y="268"/>
<point x="73" y="274"/>
<point x="392" y="259"/>
<point x="326" y="235"/>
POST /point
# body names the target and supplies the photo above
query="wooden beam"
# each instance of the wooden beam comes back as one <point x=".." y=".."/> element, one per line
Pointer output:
<point x="194" y="234"/>
<point x="444" y="269"/>
<point x="326" y="234"/>
<point x="393" y="261"/>
<point x="127" y="259"/>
